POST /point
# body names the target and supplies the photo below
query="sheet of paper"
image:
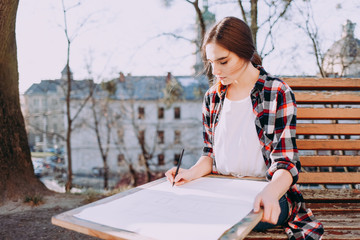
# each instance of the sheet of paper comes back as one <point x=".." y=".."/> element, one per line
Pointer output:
<point x="201" y="209"/>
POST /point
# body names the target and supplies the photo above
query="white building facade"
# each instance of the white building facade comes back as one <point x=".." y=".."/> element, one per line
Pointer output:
<point x="140" y="121"/>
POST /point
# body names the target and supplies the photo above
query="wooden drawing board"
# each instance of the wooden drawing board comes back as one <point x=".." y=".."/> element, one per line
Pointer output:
<point x="75" y="220"/>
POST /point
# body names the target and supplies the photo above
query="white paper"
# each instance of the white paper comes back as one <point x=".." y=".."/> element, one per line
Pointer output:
<point x="201" y="209"/>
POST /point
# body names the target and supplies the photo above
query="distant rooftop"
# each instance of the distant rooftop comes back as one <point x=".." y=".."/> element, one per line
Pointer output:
<point x="128" y="87"/>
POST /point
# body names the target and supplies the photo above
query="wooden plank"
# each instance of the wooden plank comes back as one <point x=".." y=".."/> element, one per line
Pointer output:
<point x="244" y="227"/>
<point x="322" y="97"/>
<point x="329" y="177"/>
<point x="328" y="144"/>
<point x="316" y="195"/>
<point x="328" y="113"/>
<point x="336" y="208"/>
<point x="333" y="234"/>
<point x="331" y="217"/>
<point x="330" y="161"/>
<point x="327" y="129"/>
<point x="323" y="83"/>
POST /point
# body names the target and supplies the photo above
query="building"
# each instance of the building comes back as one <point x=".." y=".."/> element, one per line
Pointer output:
<point x="44" y="111"/>
<point x="343" y="58"/>
<point x="140" y="118"/>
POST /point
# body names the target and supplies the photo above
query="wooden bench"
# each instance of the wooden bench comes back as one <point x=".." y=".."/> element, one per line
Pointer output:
<point x="328" y="139"/>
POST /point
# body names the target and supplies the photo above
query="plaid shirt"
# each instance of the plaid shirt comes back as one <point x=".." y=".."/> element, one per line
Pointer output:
<point x="275" y="109"/>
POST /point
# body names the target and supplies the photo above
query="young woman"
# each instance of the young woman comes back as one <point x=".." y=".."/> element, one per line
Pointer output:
<point x="249" y="121"/>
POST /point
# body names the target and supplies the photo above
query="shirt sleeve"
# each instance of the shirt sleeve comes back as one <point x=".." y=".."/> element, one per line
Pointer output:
<point x="207" y="131"/>
<point x="284" y="153"/>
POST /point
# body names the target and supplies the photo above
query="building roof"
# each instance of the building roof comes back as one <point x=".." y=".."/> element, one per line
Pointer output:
<point x="154" y="87"/>
<point x="343" y="57"/>
<point x="130" y="87"/>
<point x="56" y="86"/>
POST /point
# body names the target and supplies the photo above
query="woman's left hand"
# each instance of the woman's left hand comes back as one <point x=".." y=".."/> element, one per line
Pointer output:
<point x="269" y="197"/>
<point x="271" y="206"/>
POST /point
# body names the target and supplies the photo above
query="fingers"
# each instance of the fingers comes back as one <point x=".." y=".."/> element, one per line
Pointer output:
<point x="170" y="174"/>
<point x="257" y="204"/>
<point x="271" y="209"/>
<point x="179" y="179"/>
<point x="271" y="213"/>
<point x="267" y="214"/>
<point x="275" y="213"/>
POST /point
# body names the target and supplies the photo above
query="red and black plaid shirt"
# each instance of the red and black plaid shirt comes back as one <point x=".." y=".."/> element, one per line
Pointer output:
<point x="275" y="109"/>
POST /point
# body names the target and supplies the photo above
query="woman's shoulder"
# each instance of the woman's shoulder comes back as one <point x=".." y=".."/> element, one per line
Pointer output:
<point x="275" y="83"/>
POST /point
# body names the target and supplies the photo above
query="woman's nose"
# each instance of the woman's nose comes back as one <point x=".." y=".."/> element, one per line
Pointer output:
<point x="215" y="69"/>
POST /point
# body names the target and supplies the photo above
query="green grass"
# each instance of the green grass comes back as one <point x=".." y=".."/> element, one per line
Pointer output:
<point x="34" y="200"/>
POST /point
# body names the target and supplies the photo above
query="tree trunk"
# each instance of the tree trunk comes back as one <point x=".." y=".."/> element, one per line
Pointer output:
<point x="68" y="184"/>
<point x="254" y="20"/>
<point x="17" y="178"/>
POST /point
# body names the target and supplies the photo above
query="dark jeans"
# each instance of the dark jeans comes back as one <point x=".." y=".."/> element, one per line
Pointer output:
<point x="262" y="226"/>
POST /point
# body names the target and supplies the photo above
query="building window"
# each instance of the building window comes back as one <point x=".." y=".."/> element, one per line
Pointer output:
<point x="142" y="137"/>
<point x="120" y="159"/>
<point x="120" y="134"/>
<point x="160" y="135"/>
<point x="177" y="136"/>
<point x="177" y="112"/>
<point x="176" y="159"/>
<point x="161" y="159"/>
<point x="141" y="111"/>
<point x="160" y="113"/>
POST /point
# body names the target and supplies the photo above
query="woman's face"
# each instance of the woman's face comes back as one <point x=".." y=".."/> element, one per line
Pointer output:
<point x="226" y="66"/>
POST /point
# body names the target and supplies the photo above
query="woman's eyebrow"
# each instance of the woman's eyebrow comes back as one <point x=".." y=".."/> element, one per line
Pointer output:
<point x="222" y="58"/>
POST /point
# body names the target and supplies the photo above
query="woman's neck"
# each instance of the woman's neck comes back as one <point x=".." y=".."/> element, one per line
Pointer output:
<point x="241" y="88"/>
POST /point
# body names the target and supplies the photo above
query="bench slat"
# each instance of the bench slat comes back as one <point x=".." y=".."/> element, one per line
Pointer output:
<point x="333" y="234"/>
<point x="328" y="113"/>
<point x="333" y="195"/>
<point x="330" y="161"/>
<point x="323" y="83"/>
<point x="327" y="129"/>
<point x="341" y="208"/>
<point x="328" y="144"/>
<point x="329" y="177"/>
<point x="335" y="97"/>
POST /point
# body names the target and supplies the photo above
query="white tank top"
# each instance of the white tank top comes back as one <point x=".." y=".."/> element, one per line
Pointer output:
<point x="237" y="147"/>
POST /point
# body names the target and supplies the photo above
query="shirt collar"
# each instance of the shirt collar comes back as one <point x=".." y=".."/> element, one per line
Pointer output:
<point x="259" y="85"/>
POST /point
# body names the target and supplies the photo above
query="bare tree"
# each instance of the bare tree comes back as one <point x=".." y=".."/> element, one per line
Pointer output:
<point x="311" y="30"/>
<point x="277" y="10"/>
<point x="69" y="117"/>
<point x="101" y="112"/>
<point x="249" y="11"/>
<point x="17" y="178"/>
<point x="135" y="117"/>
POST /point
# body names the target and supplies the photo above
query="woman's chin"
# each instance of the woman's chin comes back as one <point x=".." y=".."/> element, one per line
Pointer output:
<point x="224" y="82"/>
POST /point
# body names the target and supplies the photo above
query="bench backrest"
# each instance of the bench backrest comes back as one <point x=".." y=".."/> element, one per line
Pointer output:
<point x="328" y="129"/>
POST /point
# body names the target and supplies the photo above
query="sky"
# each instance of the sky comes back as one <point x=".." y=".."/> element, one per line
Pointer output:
<point x="128" y="36"/>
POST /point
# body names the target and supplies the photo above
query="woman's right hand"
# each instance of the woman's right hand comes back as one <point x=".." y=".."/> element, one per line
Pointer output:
<point x="183" y="176"/>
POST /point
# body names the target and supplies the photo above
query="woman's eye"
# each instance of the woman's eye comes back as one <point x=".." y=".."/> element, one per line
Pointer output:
<point x="223" y="63"/>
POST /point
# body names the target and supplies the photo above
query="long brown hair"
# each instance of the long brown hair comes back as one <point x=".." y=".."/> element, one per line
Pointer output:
<point x="234" y="35"/>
